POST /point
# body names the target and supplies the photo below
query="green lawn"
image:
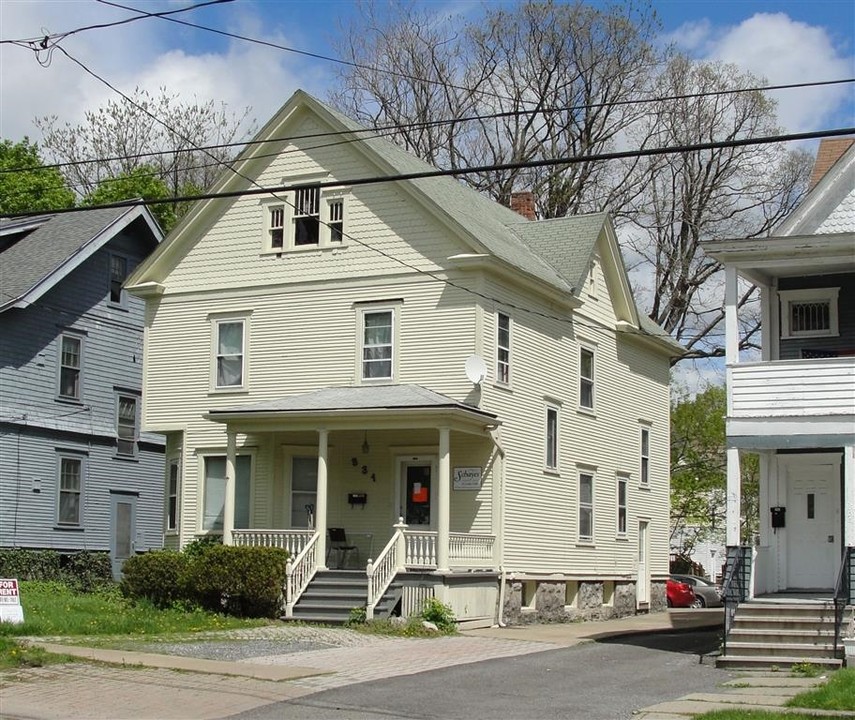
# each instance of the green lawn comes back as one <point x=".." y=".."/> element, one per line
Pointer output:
<point x="752" y="715"/>
<point x="53" y="610"/>
<point x="837" y="694"/>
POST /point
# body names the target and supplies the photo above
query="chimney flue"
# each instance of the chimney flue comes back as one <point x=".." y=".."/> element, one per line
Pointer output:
<point x="523" y="203"/>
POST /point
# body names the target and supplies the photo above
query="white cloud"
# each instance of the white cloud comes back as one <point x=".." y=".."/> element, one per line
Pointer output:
<point x="783" y="51"/>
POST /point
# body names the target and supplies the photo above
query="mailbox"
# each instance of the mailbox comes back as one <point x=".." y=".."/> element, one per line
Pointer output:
<point x="779" y="516"/>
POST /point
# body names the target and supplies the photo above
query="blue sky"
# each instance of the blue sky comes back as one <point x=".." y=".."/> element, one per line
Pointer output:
<point x="784" y="40"/>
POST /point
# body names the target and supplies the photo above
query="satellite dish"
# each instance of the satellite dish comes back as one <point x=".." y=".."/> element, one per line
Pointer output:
<point x="476" y="369"/>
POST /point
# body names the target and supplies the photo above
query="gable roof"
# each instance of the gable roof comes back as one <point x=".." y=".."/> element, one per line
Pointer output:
<point x="56" y="245"/>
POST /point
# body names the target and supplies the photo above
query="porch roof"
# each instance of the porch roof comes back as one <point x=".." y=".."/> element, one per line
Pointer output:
<point x="378" y="405"/>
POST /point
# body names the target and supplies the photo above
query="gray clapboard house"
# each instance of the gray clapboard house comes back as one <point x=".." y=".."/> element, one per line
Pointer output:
<point x="76" y="473"/>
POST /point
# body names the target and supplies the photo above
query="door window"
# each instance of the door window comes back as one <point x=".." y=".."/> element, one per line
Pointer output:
<point x="418" y="495"/>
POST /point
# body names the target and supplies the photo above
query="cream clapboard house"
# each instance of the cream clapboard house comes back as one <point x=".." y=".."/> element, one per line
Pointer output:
<point x="308" y="355"/>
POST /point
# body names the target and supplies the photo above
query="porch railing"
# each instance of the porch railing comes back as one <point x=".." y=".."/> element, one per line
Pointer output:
<point x="299" y="572"/>
<point x="844" y="594"/>
<point x="291" y="540"/>
<point x="737" y="577"/>
<point x="382" y="571"/>
<point x="471" y="550"/>
<point x="420" y="549"/>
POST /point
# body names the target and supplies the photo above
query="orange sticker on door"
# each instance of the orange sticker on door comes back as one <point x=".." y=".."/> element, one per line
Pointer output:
<point x="420" y="493"/>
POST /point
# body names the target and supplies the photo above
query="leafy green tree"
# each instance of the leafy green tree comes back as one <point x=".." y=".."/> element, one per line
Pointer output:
<point x="142" y="182"/>
<point x="25" y="184"/>
<point x="699" y="472"/>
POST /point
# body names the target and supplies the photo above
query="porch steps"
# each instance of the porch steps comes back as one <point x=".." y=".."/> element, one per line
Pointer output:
<point x="767" y="635"/>
<point x="332" y="594"/>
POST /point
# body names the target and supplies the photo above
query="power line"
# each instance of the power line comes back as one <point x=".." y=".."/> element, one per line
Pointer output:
<point x="391" y="129"/>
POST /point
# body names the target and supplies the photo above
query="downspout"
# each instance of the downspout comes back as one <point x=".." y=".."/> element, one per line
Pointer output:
<point x="500" y="622"/>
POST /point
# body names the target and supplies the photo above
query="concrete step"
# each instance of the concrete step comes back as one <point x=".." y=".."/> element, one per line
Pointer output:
<point x="765" y="662"/>
<point x="751" y="649"/>
<point x="800" y="636"/>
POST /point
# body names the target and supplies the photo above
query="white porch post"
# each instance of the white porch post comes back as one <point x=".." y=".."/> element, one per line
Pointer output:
<point x="733" y="497"/>
<point x="731" y="356"/>
<point x="849" y="495"/>
<point x="443" y="524"/>
<point x="229" y="500"/>
<point x="321" y="503"/>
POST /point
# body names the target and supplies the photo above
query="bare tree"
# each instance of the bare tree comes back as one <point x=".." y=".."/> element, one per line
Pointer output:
<point x="121" y="136"/>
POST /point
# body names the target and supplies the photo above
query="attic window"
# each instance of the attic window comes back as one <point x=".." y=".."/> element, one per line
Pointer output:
<point x="809" y="313"/>
<point x="306" y="219"/>
<point x="307" y="215"/>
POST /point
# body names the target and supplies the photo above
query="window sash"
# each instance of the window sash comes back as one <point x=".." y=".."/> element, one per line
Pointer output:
<point x="377" y="344"/>
<point x="127" y="425"/>
<point x="336" y="221"/>
<point x="307" y="215"/>
<point x="551" y="438"/>
<point x="586" y="506"/>
<point x="230" y="353"/>
<point x="69" y="369"/>
<point x="645" y="456"/>
<point x="503" y="348"/>
<point x="276" y="219"/>
<point x="586" y="378"/>
<point x="70" y="491"/>
<point x="118" y="273"/>
<point x="172" y="497"/>
<point x="621" y="505"/>
<point x="215" y="492"/>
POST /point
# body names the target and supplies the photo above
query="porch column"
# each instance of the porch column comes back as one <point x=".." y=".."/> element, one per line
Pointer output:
<point x="443" y="524"/>
<point x="321" y="502"/>
<point x="229" y="500"/>
<point x="734" y="493"/>
<point x="849" y="495"/>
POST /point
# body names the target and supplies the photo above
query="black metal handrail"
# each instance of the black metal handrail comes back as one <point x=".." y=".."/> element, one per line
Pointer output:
<point x="843" y="594"/>
<point x="735" y="590"/>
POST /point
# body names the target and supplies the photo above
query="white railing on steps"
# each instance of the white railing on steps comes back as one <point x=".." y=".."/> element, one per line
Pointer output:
<point x="299" y="572"/>
<point x="382" y="571"/>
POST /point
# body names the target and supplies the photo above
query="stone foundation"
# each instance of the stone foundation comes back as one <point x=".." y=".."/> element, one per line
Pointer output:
<point x="550" y="597"/>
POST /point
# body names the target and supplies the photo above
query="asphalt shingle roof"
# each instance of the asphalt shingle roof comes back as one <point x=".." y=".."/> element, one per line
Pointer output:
<point x="58" y="239"/>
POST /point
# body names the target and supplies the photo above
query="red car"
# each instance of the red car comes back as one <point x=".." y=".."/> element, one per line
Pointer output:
<point x="679" y="594"/>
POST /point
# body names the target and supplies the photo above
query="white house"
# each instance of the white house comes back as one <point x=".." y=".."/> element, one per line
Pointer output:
<point x="353" y="350"/>
<point x="795" y="406"/>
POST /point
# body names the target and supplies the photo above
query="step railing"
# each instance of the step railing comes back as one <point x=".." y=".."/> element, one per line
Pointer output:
<point x="299" y="572"/>
<point x="844" y="594"/>
<point x="737" y="577"/>
<point x="381" y="572"/>
<point x="293" y="540"/>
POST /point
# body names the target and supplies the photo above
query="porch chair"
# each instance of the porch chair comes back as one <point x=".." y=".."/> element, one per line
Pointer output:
<point x="338" y="544"/>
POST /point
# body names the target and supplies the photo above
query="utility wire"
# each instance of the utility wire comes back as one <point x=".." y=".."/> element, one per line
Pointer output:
<point x="392" y="129"/>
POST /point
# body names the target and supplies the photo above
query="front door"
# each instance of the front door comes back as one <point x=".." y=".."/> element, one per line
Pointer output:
<point x="812" y="523"/>
<point x="417" y="493"/>
<point x="123" y="521"/>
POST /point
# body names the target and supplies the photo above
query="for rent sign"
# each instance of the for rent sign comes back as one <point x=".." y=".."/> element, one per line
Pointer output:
<point x="10" y="602"/>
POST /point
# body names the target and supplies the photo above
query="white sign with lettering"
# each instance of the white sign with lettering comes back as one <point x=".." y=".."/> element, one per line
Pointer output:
<point x="467" y="478"/>
<point x="10" y="602"/>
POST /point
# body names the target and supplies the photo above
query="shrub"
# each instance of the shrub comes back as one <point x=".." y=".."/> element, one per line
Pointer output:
<point x="156" y="576"/>
<point x="87" y="571"/>
<point x="29" y="564"/>
<point x="356" y="616"/>
<point x="201" y="545"/>
<point x="241" y="581"/>
<point x="439" y="614"/>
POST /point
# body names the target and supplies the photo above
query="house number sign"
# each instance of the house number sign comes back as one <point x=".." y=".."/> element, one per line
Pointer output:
<point x="467" y="478"/>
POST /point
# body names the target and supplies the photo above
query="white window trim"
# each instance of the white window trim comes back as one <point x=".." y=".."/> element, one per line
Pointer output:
<point x="621" y="479"/>
<point x="644" y="481"/>
<point x="77" y="457"/>
<point x="788" y="297"/>
<point x="591" y="348"/>
<point x="80" y="360"/>
<point x="552" y="407"/>
<point x="174" y="461"/>
<point x="216" y="321"/>
<point x="202" y="455"/>
<point x="327" y="198"/>
<point x="367" y="309"/>
<point x="585" y="539"/>
<point x="136" y="398"/>
<point x="122" y="302"/>
<point x="499" y="381"/>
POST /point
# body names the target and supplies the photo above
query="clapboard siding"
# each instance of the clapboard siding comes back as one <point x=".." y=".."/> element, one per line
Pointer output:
<point x="35" y="426"/>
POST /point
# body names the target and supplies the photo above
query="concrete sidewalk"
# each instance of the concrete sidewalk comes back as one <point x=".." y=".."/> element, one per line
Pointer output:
<point x="137" y="685"/>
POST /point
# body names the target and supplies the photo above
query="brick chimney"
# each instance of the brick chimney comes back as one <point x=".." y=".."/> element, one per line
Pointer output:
<point x="523" y="203"/>
<point x="829" y="152"/>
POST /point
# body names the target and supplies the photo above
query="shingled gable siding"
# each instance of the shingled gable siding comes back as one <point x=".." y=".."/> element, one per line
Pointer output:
<point x="43" y="426"/>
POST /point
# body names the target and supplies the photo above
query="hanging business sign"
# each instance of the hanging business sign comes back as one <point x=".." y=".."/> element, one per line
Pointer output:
<point x="467" y="478"/>
<point x="10" y="602"/>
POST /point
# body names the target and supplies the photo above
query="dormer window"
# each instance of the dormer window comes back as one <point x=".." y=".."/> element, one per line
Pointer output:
<point x="306" y="218"/>
<point x="809" y="313"/>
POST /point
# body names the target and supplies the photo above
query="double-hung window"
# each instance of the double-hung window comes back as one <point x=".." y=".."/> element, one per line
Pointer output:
<point x="644" y="470"/>
<point x="69" y="505"/>
<point x="70" y="366"/>
<point x="586" y="378"/>
<point x="118" y="274"/>
<point x="551" y="437"/>
<point x="586" y="506"/>
<point x="172" y="494"/>
<point x="276" y="226"/>
<point x="127" y="427"/>
<point x="503" y="348"/>
<point x="622" y="484"/>
<point x="229" y="341"/>
<point x="378" y="338"/>
<point x="215" y="492"/>
<point x="336" y="220"/>
<point x="307" y="215"/>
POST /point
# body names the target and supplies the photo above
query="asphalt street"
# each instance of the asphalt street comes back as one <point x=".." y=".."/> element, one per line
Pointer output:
<point x="606" y="680"/>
